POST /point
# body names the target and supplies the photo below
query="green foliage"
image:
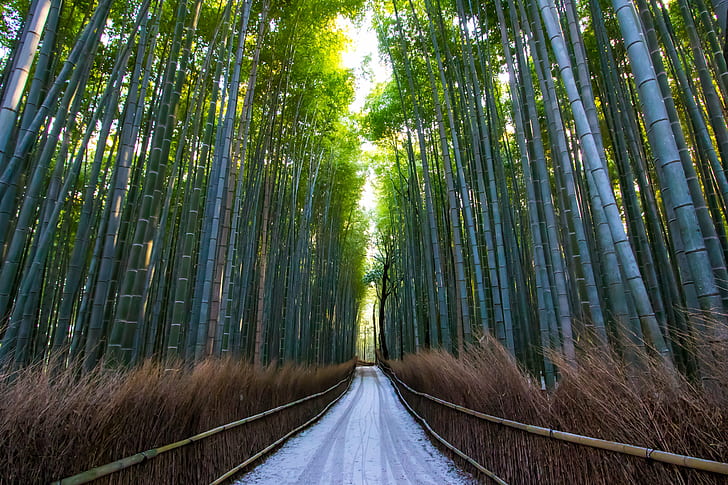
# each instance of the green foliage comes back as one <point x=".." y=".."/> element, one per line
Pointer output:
<point x="383" y="112"/>
<point x="11" y="21"/>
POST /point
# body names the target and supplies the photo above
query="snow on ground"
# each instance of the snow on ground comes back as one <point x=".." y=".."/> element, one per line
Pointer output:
<point x="368" y="437"/>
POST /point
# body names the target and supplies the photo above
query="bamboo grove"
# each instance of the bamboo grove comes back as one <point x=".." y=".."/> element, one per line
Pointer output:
<point x="554" y="175"/>
<point x="177" y="181"/>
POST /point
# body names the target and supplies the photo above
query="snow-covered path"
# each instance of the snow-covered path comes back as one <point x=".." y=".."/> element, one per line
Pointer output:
<point x="366" y="438"/>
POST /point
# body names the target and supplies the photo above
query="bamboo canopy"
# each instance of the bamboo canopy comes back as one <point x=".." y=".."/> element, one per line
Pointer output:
<point x="179" y="181"/>
<point x="553" y="174"/>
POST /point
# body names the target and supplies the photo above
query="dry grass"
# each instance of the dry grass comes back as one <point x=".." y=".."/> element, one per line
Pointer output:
<point x="56" y="426"/>
<point x="599" y="397"/>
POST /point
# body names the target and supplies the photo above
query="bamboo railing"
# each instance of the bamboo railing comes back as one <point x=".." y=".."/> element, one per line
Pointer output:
<point x="129" y="461"/>
<point x="627" y="449"/>
<point x="273" y="445"/>
<point x="442" y="440"/>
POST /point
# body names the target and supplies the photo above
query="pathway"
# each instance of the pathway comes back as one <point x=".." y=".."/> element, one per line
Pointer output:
<point x="366" y="438"/>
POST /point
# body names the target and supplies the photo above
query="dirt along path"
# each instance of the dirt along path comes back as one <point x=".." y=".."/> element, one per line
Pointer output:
<point x="368" y="437"/>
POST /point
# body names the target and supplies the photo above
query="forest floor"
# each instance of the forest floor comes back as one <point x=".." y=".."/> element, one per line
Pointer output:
<point x="366" y="438"/>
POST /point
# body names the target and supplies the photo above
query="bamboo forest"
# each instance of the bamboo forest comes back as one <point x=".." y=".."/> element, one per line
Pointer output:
<point x="510" y="217"/>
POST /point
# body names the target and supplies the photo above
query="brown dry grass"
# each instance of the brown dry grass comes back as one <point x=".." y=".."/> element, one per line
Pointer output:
<point x="52" y="427"/>
<point x="599" y="397"/>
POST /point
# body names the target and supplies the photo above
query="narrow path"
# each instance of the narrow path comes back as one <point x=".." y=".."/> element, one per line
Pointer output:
<point x="366" y="438"/>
